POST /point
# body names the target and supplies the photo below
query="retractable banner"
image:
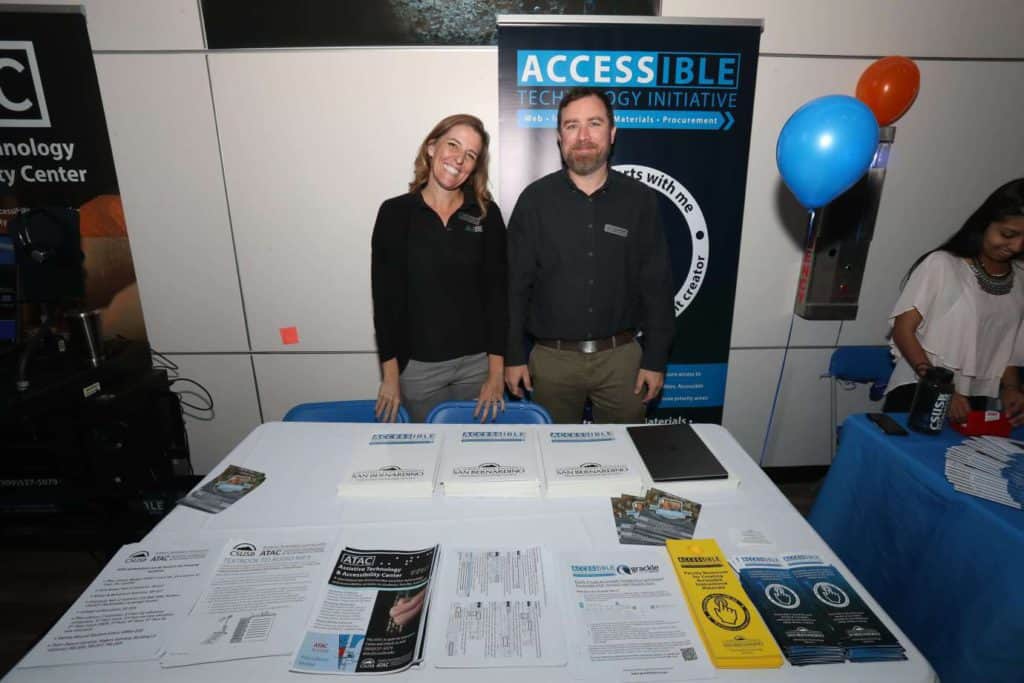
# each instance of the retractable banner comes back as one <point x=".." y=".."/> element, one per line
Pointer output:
<point x="55" y="154"/>
<point x="683" y="93"/>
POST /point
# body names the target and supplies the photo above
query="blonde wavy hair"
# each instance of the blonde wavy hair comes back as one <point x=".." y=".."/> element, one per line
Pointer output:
<point x="477" y="179"/>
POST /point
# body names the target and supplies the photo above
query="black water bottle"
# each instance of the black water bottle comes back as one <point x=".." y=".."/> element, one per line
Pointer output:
<point x="931" y="401"/>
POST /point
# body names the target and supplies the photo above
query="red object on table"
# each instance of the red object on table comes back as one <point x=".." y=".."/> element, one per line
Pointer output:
<point x="984" y="422"/>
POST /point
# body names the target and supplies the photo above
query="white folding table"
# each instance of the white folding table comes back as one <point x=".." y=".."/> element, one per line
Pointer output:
<point x="304" y="463"/>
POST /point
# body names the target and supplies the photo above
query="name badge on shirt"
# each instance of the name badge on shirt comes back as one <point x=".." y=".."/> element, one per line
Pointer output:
<point x="615" y="230"/>
<point x="472" y="222"/>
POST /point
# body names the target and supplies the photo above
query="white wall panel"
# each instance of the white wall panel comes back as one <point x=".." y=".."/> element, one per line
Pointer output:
<point x="801" y="427"/>
<point x="139" y="24"/>
<point x="313" y="142"/>
<point x="774" y="223"/>
<point x="917" y="28"/>
<point x="960" y="140"/>
<point x="287" y="379"/>
<point x="160" y="118"/>
<point x="229" y="379"/>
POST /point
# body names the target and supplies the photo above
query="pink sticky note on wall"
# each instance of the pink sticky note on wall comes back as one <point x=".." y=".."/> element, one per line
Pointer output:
<point x="289" y="335"/>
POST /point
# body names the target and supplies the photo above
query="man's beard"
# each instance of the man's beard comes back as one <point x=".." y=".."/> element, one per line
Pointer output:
<point x="586" y="165"/>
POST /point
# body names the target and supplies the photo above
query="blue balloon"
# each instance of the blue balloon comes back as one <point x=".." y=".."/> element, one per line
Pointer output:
<point x="825" y="147"/>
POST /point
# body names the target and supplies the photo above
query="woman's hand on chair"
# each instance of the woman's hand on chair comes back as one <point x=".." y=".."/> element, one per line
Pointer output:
<point x="491" y="399"/>
<point x="389" y="398"/>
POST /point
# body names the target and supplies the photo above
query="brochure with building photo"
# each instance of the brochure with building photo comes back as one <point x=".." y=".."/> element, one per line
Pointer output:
<point x="400" y="463"/>
<point x="589" y="461"/>
<point x="370" y="615"/>
<point x="230" y="486"/>
<point x="654" y="518"/>
<point x="491" y="462"/>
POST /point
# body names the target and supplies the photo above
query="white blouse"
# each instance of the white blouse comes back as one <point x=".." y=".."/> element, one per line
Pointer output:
<point x="974" y="334"/>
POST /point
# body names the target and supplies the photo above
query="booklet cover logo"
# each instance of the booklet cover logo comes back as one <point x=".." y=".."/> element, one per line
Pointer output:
<point x="488" y="469"/>
<point x="493" y="436"/>
<point x="831" y="594"/>
<point x="782" y="596"/>
<point x="725" y="611"/>
<point x="582" y="436"/>
<point x="591" y="469"/>
<point x="389" y="473"/>
<point x="391" y="438"/>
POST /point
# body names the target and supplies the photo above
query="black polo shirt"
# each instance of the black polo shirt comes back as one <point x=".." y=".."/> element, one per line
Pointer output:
<point x="587" y="267"/>
<point x="439" y="291"/>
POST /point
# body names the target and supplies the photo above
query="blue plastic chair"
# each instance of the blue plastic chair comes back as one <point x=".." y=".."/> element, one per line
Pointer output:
<point x="863" y="364"/>
<point x="339" y="411"/>
<point x="850" y="365"/>
<point x="516" y="412"/>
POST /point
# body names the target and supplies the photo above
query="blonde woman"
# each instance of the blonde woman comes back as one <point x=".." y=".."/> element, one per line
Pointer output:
<point x="439" y="280"/>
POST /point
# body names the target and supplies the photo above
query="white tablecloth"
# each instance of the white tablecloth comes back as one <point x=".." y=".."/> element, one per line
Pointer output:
<point x="304" y="463"/>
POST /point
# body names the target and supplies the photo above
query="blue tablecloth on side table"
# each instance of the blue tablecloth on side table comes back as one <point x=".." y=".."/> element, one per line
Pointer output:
<point x="946" y="566"/>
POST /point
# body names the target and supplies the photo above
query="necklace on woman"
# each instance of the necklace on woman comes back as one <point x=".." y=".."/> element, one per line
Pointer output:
<point x="992" y="284"/>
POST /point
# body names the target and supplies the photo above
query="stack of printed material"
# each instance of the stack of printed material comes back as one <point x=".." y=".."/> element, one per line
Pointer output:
<point x="399" y="463"/>
<point x="499" y="462"/>
<point x="585" y="461"/>
<point x="654" y="518"/>
<point x="859" y="630"/>
<point x="989" y="467"/>
<point x="732" y="630"/>
<point x="800" y="628"/>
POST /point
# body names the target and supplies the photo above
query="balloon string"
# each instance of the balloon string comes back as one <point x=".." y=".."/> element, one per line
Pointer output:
<point x="810" y="228"/>
<point x="785" y="351"/>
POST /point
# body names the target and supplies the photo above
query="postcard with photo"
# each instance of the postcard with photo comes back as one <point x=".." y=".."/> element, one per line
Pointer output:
<point x="225" y="490"/>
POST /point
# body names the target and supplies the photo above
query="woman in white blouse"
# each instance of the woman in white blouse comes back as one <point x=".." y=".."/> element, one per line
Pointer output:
<point x="962" y="307"/>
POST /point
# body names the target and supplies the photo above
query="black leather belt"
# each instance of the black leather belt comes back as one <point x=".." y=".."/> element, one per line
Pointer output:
<point x="589" y="345"/>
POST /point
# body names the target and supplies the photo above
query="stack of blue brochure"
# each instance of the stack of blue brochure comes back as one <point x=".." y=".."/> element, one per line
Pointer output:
<point x="798" y="626"/>
<point x="989" y="467"/>
<point x="812" y="611"/>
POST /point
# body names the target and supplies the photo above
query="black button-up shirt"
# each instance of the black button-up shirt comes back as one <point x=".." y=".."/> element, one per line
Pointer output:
<point x="439" y="292"/>
<point x="587" y="267"/>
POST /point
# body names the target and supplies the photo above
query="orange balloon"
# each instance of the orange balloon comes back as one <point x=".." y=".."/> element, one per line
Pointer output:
<point x="889" y="87"/>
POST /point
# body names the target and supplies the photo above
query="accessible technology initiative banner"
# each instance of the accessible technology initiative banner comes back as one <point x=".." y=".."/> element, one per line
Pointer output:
<point x="683" y="94"/>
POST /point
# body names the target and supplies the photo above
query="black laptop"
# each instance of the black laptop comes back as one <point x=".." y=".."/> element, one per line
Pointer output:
<point x="675" y="453"/>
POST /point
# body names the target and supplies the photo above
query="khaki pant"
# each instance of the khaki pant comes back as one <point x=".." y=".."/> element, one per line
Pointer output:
<point x="563" y="380"/>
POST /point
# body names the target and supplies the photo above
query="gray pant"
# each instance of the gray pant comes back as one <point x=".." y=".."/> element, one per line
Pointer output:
<point x="424" y="385"/>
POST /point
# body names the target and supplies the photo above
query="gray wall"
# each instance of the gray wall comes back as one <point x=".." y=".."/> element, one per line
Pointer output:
<point x="251" y="180"/>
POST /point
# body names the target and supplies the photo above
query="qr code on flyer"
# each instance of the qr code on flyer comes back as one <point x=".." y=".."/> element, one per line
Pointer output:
<point x="689" y="654"/>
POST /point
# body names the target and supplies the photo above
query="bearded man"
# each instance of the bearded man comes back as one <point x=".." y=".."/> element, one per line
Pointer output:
<point x="588" y="273"/>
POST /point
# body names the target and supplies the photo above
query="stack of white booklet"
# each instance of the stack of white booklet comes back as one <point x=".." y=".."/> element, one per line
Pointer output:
<point x="492" y="462"/>
<point x="989" y="467"/>
<point x="398" y="462"/>
<point x="590" y="461"/>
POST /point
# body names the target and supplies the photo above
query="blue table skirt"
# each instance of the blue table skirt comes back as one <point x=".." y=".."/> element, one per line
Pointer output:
<point x="946" y="566"/>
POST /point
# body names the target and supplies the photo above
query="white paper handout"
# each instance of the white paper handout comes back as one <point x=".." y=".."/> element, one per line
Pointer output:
<point x="491" y="462"/>
<point x="257" y="598"/>
<point x="127" y="613"/>
<point x="629" y="619"/>
<point x="400" y="462"/>
<point x="493" y="608"/>
<point x="590" y="461"/>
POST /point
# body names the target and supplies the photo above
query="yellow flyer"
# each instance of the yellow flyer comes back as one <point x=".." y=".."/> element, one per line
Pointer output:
<point x="733" y="632"/>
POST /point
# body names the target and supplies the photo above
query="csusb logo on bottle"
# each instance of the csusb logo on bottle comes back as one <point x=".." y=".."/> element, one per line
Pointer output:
<point x="939" y="411"/>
